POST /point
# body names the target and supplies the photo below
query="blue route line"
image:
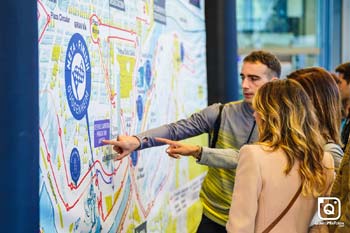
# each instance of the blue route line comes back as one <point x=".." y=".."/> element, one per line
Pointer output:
<point x="106" y="181"/>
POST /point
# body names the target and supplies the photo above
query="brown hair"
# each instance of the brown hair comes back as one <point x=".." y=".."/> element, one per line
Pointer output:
<point x="345" y="70"/>
<point x="266" y="58"/>
<point x="324" y="93"/>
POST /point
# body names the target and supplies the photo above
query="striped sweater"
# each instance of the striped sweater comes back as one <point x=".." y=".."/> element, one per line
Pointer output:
<point x="236" y="129"/>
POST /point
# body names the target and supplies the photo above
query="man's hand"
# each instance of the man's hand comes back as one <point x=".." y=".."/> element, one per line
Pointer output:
<point x="123" y="145"/>
<point x="176" y="149"/>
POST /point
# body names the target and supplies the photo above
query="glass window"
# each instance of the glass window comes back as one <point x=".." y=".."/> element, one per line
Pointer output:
<point x="287" y="28"/>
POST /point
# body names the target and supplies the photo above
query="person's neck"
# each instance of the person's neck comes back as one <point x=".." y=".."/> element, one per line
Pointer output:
<point x="249" y="106"/>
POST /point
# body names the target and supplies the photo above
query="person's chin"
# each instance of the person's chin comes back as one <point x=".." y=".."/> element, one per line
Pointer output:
<point x="248" y="100"/>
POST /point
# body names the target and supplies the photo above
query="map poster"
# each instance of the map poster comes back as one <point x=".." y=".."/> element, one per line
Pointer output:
<point x="109" y="68"/>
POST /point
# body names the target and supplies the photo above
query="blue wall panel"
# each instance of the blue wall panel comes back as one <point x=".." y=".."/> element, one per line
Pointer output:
<point x="19" y="117"/>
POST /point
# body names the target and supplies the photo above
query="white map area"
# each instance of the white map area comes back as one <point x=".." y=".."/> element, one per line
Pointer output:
<point x="109" y="68"/>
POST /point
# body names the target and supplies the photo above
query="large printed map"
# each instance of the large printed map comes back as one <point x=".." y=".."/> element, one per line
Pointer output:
<point x="112" y="67"/>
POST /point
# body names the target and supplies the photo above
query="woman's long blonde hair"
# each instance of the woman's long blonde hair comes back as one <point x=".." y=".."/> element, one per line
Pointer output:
<point x="288" y="121"/>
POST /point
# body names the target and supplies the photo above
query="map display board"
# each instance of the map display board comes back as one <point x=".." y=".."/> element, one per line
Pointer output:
<point x="109" y="68"/>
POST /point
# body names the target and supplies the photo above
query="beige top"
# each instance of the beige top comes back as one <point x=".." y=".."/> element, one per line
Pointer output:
<point x="262" y="191"/>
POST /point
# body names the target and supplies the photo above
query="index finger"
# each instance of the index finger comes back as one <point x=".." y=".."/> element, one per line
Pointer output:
<point x="110" y="142"/>
<point x="167" y="141"/>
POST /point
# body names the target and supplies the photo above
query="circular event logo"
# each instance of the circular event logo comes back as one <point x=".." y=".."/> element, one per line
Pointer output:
<point x="74" y="162"/>
<point x="78" y="76"/>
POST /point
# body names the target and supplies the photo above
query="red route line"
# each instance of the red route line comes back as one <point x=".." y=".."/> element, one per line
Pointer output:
<point x="152" y="179"/>
<point x="47" y="23"/>
<point x="188" y="68"/>
<point x="71" y="185"/>
<point x="107" y="83"/>
<point x="121" y="38"/>
<point x="59" y="134"/>
<point x="134" y="95"/>
<point x="106" y="77"/>
<point x="114" y="202"/>
<point x="66" y="204"/>
<point x="61" y="143"/>
<point x="143" y="20"/>
<point x="189" y="58"/>
<point x="105" y="70"/>
<point x="123" y="121"/>
<point x="101" y="61"/>
<point x="146" y="212"/>
<point x="121" y="223"/>
<point x="150" y="204"/>
<point x="114" y="27"/>
<point x="108" y="39"/>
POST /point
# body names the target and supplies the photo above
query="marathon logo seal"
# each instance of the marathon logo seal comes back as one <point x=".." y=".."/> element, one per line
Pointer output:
<point x="78" y="76"/>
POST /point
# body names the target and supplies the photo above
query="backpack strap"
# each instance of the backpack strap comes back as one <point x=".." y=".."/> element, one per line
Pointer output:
<point x="216" y="127"/>
<point x="274" y="223"/>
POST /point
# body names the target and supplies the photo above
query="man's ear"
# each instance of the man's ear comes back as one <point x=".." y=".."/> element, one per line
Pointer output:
<point x="274" y="78"/>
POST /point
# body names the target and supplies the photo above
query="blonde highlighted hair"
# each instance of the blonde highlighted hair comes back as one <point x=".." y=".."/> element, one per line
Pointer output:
<point x="288" y="121"/>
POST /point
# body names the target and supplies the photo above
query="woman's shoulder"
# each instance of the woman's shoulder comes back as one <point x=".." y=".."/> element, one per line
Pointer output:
<point x="253" y="150"/>
<point x="256" y="148"/>
<point x="250" y="148"/>
<point x="250" y="156"/>
<point x="263" y="153"/>
<point x="248" y="151"/>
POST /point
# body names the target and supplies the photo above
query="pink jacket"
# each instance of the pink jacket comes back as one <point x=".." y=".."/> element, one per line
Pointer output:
<point x="262" y="191"/>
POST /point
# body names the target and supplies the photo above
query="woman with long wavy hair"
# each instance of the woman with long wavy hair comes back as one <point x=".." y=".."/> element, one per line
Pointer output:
<point x="288" y="157"/>
<point x="324" y="94"/>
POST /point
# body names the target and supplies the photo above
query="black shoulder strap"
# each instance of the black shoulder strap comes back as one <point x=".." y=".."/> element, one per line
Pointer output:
<point x="216" y="127"/>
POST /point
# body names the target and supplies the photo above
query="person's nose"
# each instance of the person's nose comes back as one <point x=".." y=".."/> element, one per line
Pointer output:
<point x="245" y="83"/>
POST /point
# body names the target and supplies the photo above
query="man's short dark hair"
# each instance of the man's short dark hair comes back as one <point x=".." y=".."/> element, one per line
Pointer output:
<point x="266" y="58"/>
<point x="345" y="70"/>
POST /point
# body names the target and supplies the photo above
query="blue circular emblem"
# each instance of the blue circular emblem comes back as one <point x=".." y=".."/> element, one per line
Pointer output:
<point x="74" y="165"/>
<point x="78" y="76"/>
